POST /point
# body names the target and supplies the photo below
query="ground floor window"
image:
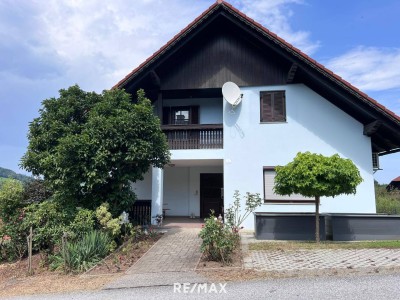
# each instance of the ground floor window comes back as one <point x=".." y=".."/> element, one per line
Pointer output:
<point x="271" y="197"/>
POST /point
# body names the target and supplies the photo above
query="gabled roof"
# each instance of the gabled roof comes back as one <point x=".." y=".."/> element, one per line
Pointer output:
<point x="296" y="53"/>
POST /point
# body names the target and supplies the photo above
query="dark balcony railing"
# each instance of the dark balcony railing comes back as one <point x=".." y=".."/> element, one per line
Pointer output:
<point x="201" y="136"/>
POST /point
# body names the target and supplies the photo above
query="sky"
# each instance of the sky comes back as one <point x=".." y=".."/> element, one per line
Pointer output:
<point x="49" y="45"/>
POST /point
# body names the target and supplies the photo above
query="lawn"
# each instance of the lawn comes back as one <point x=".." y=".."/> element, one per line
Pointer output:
<point x="324" y="245"/>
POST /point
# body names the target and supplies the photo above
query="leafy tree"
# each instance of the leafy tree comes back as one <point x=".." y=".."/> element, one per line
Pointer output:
<point x="35" y="191"/>
<point x="89" y="146"/>
<point x="315" y="175"/>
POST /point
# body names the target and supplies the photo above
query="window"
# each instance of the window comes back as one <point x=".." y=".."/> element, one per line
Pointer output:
<point x="181" y="115"/>
<point x="272" y="106"/>
<point x="271" y="197"/>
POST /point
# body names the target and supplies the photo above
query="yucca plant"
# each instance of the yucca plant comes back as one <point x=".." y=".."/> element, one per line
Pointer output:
<point x="83" y="254"/>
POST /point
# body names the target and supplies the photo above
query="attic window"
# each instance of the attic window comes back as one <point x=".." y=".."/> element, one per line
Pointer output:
<point x="272" y="106"/>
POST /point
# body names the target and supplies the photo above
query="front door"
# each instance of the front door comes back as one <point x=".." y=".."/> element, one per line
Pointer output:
<point x="211" y="194"/>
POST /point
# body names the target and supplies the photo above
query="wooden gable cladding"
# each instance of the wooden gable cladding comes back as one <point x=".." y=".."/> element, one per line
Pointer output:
<point x="215" y="57"/>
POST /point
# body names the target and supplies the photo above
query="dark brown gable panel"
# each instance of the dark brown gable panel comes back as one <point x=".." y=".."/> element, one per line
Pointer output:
<point x="218" y="54"/>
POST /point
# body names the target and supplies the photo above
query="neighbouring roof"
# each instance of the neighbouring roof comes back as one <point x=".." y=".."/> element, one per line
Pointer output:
<point x="397" y="179"/>
<point x="386" y="141"/>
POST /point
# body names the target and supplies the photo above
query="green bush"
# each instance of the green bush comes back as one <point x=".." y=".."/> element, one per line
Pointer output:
<point x="218" y="241"/>
<point x="11" y="199"/>
<point x="35" y="191"/>
<point x="83" y="254"/>
<point x="108" y="223"/>
<point x="387" y="205"/>
<point x="84" y="221"/>
<point x="49" y="220"/>
<point x="386" y="202"/>
<point x="234" y="217"/>
<point x="12" y="238"/>
<point x="13" y="243"/>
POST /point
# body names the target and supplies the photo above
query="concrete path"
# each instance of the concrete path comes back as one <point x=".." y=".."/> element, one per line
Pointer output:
<point x="172" y="259"/>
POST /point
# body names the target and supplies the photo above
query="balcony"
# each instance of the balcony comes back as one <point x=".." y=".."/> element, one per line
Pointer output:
<point x="199" y="136"/>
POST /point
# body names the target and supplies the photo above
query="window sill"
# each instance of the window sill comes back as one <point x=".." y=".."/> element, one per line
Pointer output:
<point x="282" y="122"/>
<point x="289" y="202"/>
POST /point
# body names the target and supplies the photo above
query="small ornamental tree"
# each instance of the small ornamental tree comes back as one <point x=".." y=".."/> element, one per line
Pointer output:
<point x="89" y="147"/>
<point x="315" y="175"/>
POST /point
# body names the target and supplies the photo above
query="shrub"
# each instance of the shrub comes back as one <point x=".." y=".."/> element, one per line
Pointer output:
<point x="84" y="253"/>
<point x="13" y="244"/>
<point x="48" y="219"/>
<point x="386" y="201"/>
<point x="84" y="221"/>
<point x="218" y="241"/>
<point x="11" y="199"/>
<point x="12" y="238"/>
<point x="108" y="223"/>
<point x="387" y="205"/>
<point x="233" y="216"/>
<point x="36" y="191"/>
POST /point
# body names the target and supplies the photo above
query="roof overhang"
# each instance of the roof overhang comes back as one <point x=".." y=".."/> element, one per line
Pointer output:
<point x="380" y="124"/>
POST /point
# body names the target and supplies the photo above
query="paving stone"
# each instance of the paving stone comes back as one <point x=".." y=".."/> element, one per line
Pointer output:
<point x="322" y="259"/>
<point x="172" y="259"/>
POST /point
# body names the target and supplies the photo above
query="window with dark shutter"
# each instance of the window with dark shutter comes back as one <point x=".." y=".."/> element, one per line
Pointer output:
<point x="272" y="106"/>
<point x="271" y="197"/>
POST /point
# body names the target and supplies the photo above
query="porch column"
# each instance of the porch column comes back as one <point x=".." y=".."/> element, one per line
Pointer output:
<point x="157" y="189"/>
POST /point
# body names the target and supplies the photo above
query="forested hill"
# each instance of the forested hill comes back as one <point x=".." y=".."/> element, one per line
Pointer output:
<point x="6" y="173"/>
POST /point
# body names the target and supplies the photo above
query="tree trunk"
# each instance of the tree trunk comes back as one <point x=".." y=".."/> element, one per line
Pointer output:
<point x="317" y="219"/>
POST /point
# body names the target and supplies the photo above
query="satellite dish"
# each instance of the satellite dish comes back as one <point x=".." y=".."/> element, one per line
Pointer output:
<point x="231" y="93"/>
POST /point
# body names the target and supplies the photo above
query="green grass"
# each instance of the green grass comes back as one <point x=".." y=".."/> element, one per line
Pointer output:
<point x="292" y="246"/>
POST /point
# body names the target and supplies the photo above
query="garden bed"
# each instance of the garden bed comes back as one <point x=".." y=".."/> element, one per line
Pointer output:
<point x="236" y="262"/>
<point x="14" y="279"/>
<point x="125" y="256"/>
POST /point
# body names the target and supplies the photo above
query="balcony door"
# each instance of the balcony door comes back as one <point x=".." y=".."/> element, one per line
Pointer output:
<point x="211" y="194"/>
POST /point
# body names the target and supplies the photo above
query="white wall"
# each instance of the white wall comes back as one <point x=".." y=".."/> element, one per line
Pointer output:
<point x="210" y="109"/>
<point x="142" y="188"/>
<point x="313" y="124"/>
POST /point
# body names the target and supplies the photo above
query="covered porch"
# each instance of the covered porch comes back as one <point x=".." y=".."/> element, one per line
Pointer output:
<point x="185" y="188"/>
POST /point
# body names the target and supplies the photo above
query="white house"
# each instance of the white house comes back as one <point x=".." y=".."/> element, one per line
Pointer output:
<point x="290" y="103"/>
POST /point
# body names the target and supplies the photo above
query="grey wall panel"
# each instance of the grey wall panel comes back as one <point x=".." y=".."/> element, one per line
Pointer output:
<point x="288" y="227"/>
<point x="368" y="227"/>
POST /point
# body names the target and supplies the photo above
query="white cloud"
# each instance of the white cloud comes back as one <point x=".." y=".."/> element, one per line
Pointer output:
<point x="369" y="68"/>
<point x="90" y="42"/>
<point x="96" y="43"/>
<point x="275" y="16"/>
